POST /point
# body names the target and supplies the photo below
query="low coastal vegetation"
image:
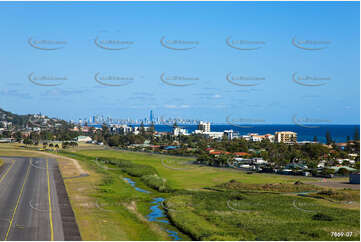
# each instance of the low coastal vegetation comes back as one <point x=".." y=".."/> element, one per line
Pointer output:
<point x="346" y="195"/>
<point x="275" y="187"/>
<point x="231" y="206"/>
<point x="255" y="216"/>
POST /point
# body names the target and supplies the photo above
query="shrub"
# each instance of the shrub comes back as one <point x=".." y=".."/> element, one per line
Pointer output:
<point x="322" y="217"/>
<point x="156" y="182"/>
<point x="327" y="193"/>
<point x="139" y="170"/>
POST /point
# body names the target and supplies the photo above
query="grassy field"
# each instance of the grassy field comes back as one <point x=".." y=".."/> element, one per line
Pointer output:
<point x="205" y="207"/>
<point x="182" y="175"/>
<point x="258" y="216"/>
<point x="204" y="203"/>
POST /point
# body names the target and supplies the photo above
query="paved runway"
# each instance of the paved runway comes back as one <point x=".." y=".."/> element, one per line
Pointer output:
<point x="29" y="206"/>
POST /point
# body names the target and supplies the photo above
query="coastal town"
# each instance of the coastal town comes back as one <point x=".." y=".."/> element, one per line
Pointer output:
<point x="253" y="152"/>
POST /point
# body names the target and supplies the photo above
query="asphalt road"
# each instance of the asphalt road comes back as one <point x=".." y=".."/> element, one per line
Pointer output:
<point x="29" y="207"/>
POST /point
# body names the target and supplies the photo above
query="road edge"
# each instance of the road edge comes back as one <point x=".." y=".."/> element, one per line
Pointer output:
<point x="70" y="226"/>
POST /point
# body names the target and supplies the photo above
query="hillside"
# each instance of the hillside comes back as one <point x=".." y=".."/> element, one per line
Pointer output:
<point x="9" y="119"/>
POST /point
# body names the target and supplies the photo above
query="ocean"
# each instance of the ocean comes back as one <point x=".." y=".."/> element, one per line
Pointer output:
<point x="338" y="133"/>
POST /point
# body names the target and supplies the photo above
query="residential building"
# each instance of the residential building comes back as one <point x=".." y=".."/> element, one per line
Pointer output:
<point x="179" y="131"/>
<point x="204" y="126"/>
<point x="214" y="135"/>
<point x="228" y="134"/>
<point x="120" y="129"/>
<point x="285" y="137"/>
<point x="255" y="137"/>
<point x="83" y="139"/>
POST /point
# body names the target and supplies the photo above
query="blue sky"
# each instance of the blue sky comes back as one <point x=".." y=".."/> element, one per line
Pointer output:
<point x="326" y="46"/>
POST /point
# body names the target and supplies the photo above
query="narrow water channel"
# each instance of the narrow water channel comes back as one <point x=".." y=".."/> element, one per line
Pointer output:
<point x="157" y="213"/>
<point x="132" y="183"/>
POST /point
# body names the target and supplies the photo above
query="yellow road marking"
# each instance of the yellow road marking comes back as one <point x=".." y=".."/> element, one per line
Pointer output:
<point x="7" y="171"/>
<point x="49" y="197"/>
<point x="18" y="201"/>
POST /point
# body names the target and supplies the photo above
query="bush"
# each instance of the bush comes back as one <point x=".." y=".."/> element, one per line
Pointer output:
<point x="341" y="195"/>
<point x="139" y="171"/>
<point x="327" y="193"/>
<point x="156" y="182"/>
<point x="147" y="174"/>
<point x="343" y="171"/>
<point x="278" y="187"/>
<point x="322" y="217"/>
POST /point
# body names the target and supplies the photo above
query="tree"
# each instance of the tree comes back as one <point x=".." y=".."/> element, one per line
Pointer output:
<point x="114" y="140"/>
<point x="152" y="128"/>
<point x="141" y="128"/>
<point x="356" y="135"/>
<point x="328" y="138"/>
<point x="28" y="141"/>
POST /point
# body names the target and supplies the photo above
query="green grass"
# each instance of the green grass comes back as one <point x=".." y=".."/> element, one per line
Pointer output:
<point x="190" y="176"/>
<point x="112" y="194"/>
<point x="339" y="195"/>
<point x="277" y="187"/>
<point x="255" y="216"/>
<point x="237" y="210"/>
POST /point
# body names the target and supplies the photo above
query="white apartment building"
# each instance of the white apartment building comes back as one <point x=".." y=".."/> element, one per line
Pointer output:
<point x="255" y="137"/>
<point x="179" y="131"/>
<point x="285" y="137"/>
<point x="228" y="134"/>
<point x="204" y="126"/>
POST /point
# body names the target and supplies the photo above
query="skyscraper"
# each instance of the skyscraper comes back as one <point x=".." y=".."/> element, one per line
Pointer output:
<point x="151" y="116"/>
